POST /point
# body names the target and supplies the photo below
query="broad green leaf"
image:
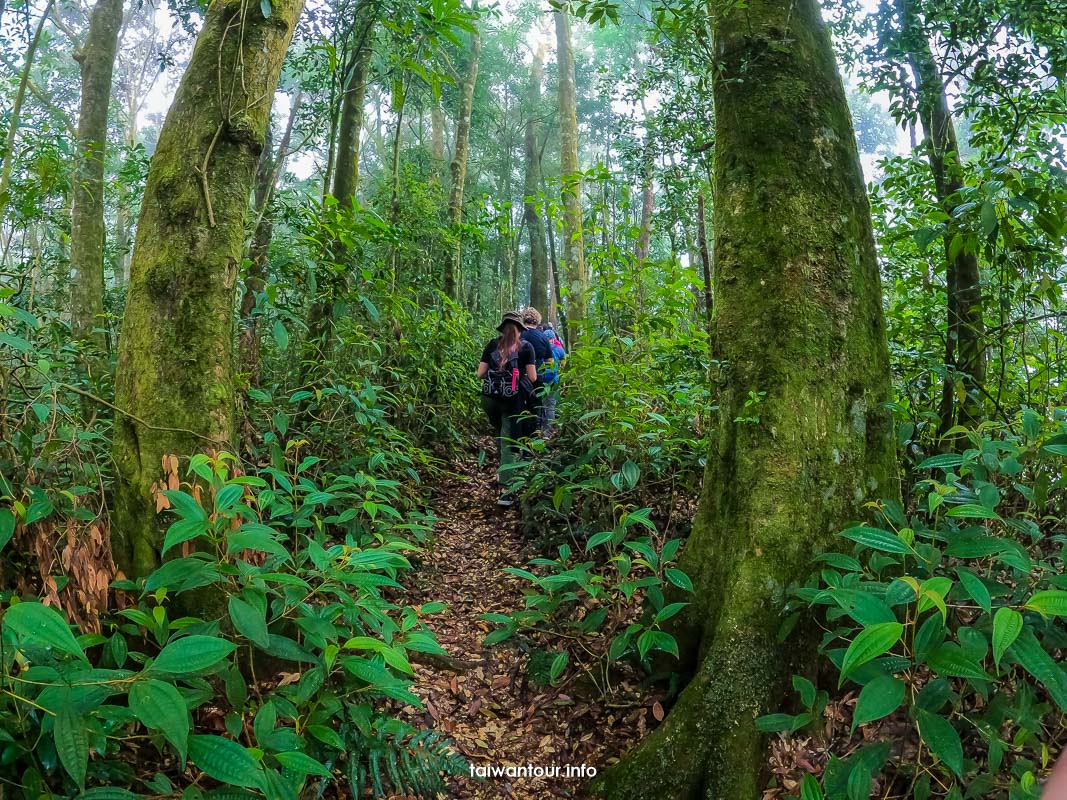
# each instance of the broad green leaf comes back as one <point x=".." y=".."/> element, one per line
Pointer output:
<point x="302" y="764"/>
<point x="946" y="461"/>
<point x="72" y="742"/>
<point x="948" y="659"/>
<point x="1049" y="603"/>
<point x="679" y="579"/>
<point x="281" y="335"/>
<point x="877" y="539"/>
<point x="870" y="643"/>
<point x="598" y="538"/>
<point x="972" y="511"/>
<point x="191" y="654"/>
<point x="160" y="707"/>
<point x="225" y="760"/>
<point x="1007" y="625"/>
<point x="1028" y="651"/>
<point x="877" y="699"/>
<point x="7" y="526"/>
<point x="942" y="739"/>
<point x="42" y="626"/>
<point x="249" y="621"/>
<point x="975" y="588"/>
<point x="185" y="505"/>
<point x="810" y="789"/>
<point x="184" y="530"/>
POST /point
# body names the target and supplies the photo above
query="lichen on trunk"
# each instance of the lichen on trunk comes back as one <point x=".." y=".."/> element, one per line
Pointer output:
<point x="174" y="381"/>
<point x="803" y="438"/>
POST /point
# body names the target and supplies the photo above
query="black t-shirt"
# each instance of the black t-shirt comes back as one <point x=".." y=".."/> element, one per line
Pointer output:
<point x="526" y="355"/>
<point x="542" y="349"/>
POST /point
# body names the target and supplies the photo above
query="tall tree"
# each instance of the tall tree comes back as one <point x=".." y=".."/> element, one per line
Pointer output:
<point x="532" y="184"/>
<point x="965" y="336"/>
<point x="804" y="439"/>
<point x="570" y="174"/>
<point x="174" y="382"/>
<point x="451" y="284"/>
<point x="353" y="97"/>
<point x="437" y="139"/>
<point x="87" y="234"/>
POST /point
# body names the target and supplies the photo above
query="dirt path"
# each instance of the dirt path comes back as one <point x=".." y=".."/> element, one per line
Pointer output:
<point x="494" y="714"/>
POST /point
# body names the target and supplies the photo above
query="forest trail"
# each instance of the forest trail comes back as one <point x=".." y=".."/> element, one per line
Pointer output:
<point x="495" y="715"/>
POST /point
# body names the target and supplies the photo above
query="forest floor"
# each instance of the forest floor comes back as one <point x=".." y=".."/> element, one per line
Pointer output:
<point x="496" y="716"/>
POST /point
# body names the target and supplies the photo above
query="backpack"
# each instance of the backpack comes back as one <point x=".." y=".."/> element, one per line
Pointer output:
<point x="553" y="365"/>
<point x="503" y="384"/>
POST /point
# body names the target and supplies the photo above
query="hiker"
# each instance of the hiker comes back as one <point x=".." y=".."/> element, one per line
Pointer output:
<point x="531" y="320"/>
<point x="508" y="372"/>
<point x="550" y="378"/>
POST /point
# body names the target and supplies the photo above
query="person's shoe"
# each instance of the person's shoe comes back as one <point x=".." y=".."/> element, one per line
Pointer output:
<point x="506" y="499"/>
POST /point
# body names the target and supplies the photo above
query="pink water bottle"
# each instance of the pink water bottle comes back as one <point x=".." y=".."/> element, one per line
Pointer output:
<point x="515" y="380"/>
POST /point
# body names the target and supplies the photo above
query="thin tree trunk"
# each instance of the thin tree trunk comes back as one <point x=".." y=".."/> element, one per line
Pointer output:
<point x="346" y="165"/>
<point x="174" y="381"/>
<point x="87" y="234"/>
<point x="451" y="284"/>
<point x="556" y="293"/>
<point x="538" y="257"/>
<point x="437" y="140"/>
<point x="15" y="115"/>
<point x="798" y="317"/>
<point x="570" y="175"/>
<point x="705" y="259"/>
<point x="644" y="230"/>
<point x="965" y="357"/>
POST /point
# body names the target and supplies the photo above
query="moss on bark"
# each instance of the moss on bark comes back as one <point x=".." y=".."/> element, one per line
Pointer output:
<point x="451" y="284"/>
<point x="532" y="184"/>
<point x="798" y="317"/>
<point x="577" y="278"/>
<point x="175" y="370"/>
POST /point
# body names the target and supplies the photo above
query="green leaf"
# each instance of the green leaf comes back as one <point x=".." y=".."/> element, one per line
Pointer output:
<point x="877" y="539"/>
<point x="810" y="789"/>
<point x="870" y="643"/>
<point x="877" y="699"/>
<point x="679" y="579"/>
<point x="281" y="335"/>
<point x="945" y="461"/>
<point x="225" y="760"/>
<point x="108" y="793"/>
<point x="948" y="659"/>
<point x="7" y="526"/>
<point x="185" y="505"/>
<point x="972" y="511"/>
<point x="160" y="707"/>
<point x="192" y="654"/>
<point x="773" y="723"/>
<point x="1028" y="651"/>
<point x="327" y="736"/>
<point x="250" y="622"/>
<point x="1049" y="603"/>
<point x="184" y="530"/>
<point x="975" y="588"/>
<point x="559" y="663"/>
<point x="72" y="742"/>
<point x="942" y="739"/>
<point x="303" y="764"/>
<point x="43" y="626"/>
<point x="1007" y="625"/>
<point x="598" y="538"/>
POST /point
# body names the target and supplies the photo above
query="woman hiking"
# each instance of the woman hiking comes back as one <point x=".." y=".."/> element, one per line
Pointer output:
<point x="508" y="372"/>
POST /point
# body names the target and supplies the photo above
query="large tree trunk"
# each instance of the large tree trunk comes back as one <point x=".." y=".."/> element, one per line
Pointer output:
<point x="798" y="316"/>
<point x="175" y="371"/>
<point x="346" y="167"/>
<point x="570" y="175"/>
<point x="97" y="62"/>
<point x="965" y="358"/>
<point x="451" y="284"/>
<point x="532" y="184"/>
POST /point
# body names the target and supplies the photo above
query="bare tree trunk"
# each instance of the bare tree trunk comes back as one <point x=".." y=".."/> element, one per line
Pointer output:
<point x="451" y="284"/>
<point x="437" y="140"/>
<point x="705" y="259"/>
<point x="87" y="234"/>
<point x="174" y="381"/>
<point x="570" y="175"/>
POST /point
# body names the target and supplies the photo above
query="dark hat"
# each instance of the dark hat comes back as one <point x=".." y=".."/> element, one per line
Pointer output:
<point x="510" y="316"/>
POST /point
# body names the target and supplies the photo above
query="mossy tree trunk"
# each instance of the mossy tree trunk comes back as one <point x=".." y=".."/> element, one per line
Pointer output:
<point x="451" y="283"/>
<point x="353" y="96"/>
<point x="175" y="370"/>
<point x="97" y="63"/>
<point x="798" y="316"/>
<point x="965" y="357"/>
<point x="532" y="184"/>
<point x="437" y="140"/>
<point x="573" y="244"/>
<point x="705" y="260"/>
